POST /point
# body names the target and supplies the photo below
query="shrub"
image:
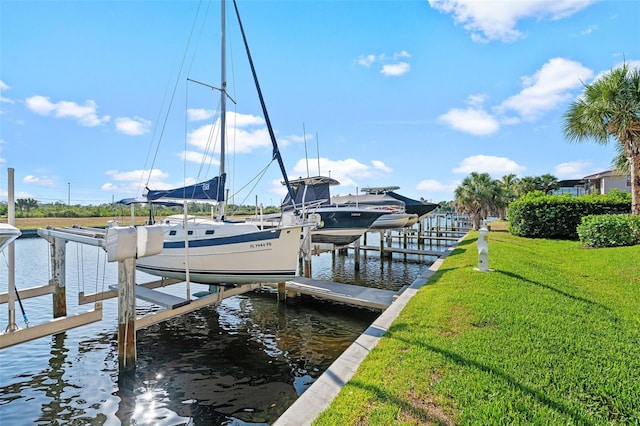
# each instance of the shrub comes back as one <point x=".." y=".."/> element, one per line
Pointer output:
<point x="557" y="216"/>
<point x="609" y="230"/>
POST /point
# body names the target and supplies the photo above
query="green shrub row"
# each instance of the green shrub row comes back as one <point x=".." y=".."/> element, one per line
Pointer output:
<point x="609" y="230"/>
<point x="557" y="216"/>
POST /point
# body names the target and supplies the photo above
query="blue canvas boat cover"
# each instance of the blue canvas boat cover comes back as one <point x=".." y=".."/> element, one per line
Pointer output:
<point x="210" y="190"/>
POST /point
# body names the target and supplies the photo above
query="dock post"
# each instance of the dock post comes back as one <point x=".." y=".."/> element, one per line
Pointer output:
<point x="126" y="315"/>
<point x="58" y="279"/>
<point x="282" y="292"/>
<point x="11" y="259"/>
<point x="356" y="253"/>
<point x="307" y="266"/>
<point x="306" y="252"/>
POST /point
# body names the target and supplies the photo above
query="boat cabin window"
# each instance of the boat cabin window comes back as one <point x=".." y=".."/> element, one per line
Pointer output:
<point x="209" y="232"/>
<point x="172" y="232"/>
<point x="190" y="232"/>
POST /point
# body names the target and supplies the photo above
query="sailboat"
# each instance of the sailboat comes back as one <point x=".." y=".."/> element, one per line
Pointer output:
<point x="213" y="250"/>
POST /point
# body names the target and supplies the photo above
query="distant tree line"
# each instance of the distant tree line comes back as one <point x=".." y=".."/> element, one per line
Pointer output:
<point x="30" y="207"/>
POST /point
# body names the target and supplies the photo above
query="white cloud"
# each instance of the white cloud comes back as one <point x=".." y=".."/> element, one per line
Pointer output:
<point x="390" y="64"/>
<point x="18" y="194"/>
<point x="243" y="139"/>
<point x="86" y="114"/>
<point x="199" y="158"/>
<point x="402" y="54"/>
<point x="132" y="182"/>
<point x="156" y="174"/>
<point x="395" y="70"/>
<point x="135" y="126"/>
<point x="473" y="119"/>
<point x="548" y="87"/>
<point x="3" y="88"/>
<point x="200" y="114"/>
<point x="379" y="165"/>
<point x="573" y="169"/>
<point x="432" y="185"/>
<point x="40" y="181"/>
<point x="490" y="20"/>
<point x="366" y="60"/>
<point x="350" y="172"/>
<point x="495" y="166"/>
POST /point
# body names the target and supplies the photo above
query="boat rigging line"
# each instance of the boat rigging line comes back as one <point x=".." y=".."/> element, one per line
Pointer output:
<point x="276" y="150"/>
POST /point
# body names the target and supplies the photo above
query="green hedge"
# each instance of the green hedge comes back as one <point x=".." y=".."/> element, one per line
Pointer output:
<point x="557" y="216"/>
<point x="609" y="230"/>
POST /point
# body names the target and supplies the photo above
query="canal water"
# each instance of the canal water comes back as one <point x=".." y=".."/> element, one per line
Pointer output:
<point x="241" y="362"/>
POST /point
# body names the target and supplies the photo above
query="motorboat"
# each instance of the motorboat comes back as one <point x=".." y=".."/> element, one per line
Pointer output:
<point x="338" y="225"/>
<point x="394" y="215"/>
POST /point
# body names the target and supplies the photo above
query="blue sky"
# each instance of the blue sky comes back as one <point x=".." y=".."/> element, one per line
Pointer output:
<point x="408" y="93"/>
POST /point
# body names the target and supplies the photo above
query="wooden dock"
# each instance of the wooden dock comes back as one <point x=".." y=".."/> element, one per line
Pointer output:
<point x="373" y="298"/>
<point x="436" y="253"/>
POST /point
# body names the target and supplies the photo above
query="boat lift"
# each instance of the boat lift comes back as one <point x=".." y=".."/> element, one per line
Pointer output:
<point x="123" y="244"/>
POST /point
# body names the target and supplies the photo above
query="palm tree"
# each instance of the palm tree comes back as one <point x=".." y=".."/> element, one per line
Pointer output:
<point x="507" y="193"/>
<point x="476" y="196"/>
<point x="525" y="185"/>
<point x="28" y="204"/>
<point x="621" y="162"/>
<point x="548" y="183"/>
<point x="608" y="108"/>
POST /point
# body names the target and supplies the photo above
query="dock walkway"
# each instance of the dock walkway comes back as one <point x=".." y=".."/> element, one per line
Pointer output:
<point x="374" y="298"/>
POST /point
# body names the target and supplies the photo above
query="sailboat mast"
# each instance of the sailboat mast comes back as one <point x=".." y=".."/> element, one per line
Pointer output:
<point x="276" y="150"/>
<point x="223" y="101"/>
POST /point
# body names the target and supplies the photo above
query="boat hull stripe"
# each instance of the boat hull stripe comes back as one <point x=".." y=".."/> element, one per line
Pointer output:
<point x="220" y="241"/>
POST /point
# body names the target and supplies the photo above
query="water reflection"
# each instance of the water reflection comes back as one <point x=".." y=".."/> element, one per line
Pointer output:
<point x="222" y="364"/>
<point x="241" y="362"/>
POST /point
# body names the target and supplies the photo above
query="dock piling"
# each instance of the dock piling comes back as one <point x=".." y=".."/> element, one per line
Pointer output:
<point x="58" y="279"/>
<point x="127" y="315"/>
<point x="282" y="292"/>
<point x="11" y="257"/>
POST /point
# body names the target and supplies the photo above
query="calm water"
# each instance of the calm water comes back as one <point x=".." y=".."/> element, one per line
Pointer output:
<point x="244" y="361"/>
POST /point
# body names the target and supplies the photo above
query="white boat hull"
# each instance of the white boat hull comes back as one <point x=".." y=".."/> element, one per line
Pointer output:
<point x="394" y="221"/>
<point x="8" y="233"/>
<point x="269" y="255"/>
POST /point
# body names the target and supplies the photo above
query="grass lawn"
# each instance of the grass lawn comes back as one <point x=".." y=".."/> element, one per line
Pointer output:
<point x="550" y="337"/>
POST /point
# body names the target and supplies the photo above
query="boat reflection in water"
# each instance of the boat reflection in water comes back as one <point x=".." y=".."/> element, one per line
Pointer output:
<point x="243" y="361"/>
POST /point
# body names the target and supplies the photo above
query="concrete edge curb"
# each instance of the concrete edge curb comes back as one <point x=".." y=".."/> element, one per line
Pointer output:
<point x="320" y="394"/>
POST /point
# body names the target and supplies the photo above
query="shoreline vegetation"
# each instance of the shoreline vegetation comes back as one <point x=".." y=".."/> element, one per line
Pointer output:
<point x="28" y="223"/>
<point x="549" y="336"/>
<point x="24" y="223"/>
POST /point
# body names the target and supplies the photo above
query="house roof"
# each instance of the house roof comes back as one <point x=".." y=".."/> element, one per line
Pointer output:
<point x="606" y="173"/>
